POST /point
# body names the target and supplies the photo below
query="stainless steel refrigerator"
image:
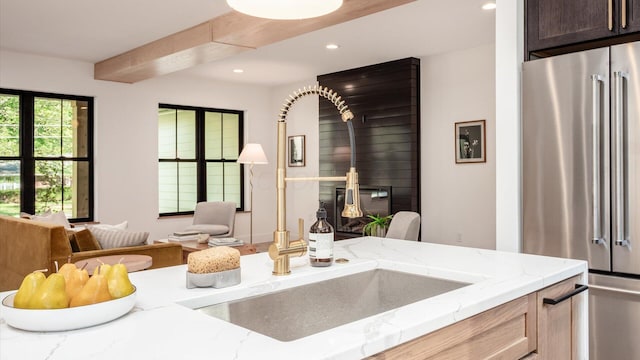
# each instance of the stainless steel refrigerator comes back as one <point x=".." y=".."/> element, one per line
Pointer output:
<point x="581" y="181"/>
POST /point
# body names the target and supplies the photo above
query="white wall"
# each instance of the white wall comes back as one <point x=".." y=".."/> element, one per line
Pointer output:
<point x="509" y="58"/>
<point x="458" y="200"/>
<point x="126" y="134"/>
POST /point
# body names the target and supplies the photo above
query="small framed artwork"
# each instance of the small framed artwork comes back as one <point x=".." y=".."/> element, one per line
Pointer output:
<point x="470" y="141"/>
<point x="296" y="150"/>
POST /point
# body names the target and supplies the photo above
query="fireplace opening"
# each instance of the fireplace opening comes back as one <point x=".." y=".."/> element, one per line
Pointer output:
<point x="374" y="200"/>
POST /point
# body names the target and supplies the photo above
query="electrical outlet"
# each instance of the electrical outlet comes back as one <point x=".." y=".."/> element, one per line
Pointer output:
<point x="459" y="237"/>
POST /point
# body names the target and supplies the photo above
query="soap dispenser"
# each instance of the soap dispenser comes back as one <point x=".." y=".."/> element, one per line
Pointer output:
<point x="321" y="240"/>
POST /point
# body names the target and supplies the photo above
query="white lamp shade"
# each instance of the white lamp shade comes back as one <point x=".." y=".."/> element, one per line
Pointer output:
<point x="285" y="9"/>
<point x="252" y="154"/>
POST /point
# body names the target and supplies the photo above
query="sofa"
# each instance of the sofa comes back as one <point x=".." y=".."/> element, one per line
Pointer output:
<point x="28" y="245"/>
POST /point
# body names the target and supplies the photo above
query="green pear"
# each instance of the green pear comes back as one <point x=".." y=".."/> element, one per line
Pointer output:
<point x="118" y="281"/>
<point x="28" y="287"/>
<point x="51" y="294"/>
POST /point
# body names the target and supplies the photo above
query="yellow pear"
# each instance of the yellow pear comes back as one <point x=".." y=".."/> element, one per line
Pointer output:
<point x="94" y="291"/>
<point x="76" y="281"/>
<point x="103" y="269"/>
<point x="50" y="294"/>
<point x="118" y="280"/>
<point x="67" y="268"/>
<point x="28" y="287"/>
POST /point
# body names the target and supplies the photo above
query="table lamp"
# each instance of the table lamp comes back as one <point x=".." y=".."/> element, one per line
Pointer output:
<point x="252" y="154"/>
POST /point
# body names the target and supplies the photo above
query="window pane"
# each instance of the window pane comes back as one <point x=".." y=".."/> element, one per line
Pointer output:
<point x="213" y="136"/>
<point x="232" y="182"/>
<point x="76" y="189"/>
<point x="9" y="188"/>
<point x="75" y="128"/>
<point x="166" y="133"/>
<point x="168" y="187"/>
<point x="187" y="189"/>
<point x="177" y="186"/>
<point x="47" y="127"/>
<point x="230" y="137"/>
<point x="60" y="128"/>
<point x="48" y="186"/>
<point x="215" y="190"/>
<point x="9" y="125"/>
<point x="186" y="136"/>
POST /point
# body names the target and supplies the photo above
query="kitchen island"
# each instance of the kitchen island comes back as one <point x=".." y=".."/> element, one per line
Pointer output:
<point x="163" y="324"/>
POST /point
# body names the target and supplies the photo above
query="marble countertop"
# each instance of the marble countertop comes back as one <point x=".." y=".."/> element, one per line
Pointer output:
<point x="163" y="325"/>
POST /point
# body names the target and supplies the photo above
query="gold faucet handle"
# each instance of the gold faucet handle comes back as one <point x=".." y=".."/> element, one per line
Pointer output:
<point x="300" y="228"/>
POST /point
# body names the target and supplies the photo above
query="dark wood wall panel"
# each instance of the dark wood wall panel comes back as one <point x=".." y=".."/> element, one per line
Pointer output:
<point x="384" y="99"/>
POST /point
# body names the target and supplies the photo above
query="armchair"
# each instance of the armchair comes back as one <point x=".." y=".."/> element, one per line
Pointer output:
<point x="405" y="225"/>
<point x="215" y="218"/>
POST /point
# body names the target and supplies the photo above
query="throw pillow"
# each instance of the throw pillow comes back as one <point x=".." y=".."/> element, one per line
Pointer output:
<point x="72" y="241"/>
<point x="109" y="239"/>
<point x="55" y="218"/>
<point x="84" y="240"/>
<point x="122" y="226"/>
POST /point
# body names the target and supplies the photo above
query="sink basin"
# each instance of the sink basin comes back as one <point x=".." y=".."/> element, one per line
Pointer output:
<point x="308" y="309"/>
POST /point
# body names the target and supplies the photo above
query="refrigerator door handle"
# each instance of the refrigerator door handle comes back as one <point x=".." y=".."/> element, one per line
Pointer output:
<point x="618" y="78"/>
<point x="597" y="157"/>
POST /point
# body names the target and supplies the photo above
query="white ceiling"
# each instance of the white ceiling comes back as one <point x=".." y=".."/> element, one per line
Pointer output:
<point x="92" y="30"/>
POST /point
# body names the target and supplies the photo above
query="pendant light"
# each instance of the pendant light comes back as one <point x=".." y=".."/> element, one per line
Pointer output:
<point x="285" y="9"/>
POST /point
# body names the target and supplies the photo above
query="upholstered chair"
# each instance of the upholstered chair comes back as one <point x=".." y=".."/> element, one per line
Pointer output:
<point x="405" y="225"/>
<point x="215" y="218"/>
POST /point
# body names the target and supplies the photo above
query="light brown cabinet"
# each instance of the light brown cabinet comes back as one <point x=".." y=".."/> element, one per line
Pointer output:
<point x="558" y="324"/>
<point x="525" y="328"/>
<point x="504" y="332"/>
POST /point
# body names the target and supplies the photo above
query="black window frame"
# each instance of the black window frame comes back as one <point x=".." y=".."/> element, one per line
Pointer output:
<point x="28" y="159"/>
<point x="201" y="162"/>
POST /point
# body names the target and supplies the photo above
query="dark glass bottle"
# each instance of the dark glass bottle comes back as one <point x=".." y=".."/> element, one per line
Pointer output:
<point x="321" y="240"/>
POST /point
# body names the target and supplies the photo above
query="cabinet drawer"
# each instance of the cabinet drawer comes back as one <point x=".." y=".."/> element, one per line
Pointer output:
<point x="505" y="332"/>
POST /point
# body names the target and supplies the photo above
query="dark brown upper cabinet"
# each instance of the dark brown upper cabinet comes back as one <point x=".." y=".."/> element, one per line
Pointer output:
<point x="579" y="24"/>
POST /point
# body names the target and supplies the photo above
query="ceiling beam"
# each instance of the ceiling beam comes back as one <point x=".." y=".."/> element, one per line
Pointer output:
<point x="226" y="35"/>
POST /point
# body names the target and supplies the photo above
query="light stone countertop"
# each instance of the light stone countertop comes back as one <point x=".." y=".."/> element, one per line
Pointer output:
<point x="163" y="325"/>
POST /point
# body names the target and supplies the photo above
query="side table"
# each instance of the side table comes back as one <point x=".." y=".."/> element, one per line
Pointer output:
<point x="133" y="262"/>
<point x="190" y="246"/>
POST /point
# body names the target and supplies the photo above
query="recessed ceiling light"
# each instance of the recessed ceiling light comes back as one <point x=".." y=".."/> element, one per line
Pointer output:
<point x="489" y="6"/>
<point x="238" y="71"/>
<point x="332" y="46"/>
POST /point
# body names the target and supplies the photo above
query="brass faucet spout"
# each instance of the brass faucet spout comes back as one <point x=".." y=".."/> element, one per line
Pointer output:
<point x="282" y="247"/>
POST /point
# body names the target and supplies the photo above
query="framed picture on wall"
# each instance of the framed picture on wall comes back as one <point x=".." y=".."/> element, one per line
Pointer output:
<point x="470" y="138"/>
<point x="296" y="150"/>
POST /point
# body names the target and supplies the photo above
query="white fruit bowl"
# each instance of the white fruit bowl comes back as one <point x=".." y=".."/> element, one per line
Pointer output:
<point x="65" y="319"/>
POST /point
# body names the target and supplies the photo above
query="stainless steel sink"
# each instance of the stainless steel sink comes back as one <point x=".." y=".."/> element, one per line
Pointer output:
<point x="301" y="311"/>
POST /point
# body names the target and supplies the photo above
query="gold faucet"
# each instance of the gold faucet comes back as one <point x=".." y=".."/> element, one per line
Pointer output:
<point x="282" y="247"/>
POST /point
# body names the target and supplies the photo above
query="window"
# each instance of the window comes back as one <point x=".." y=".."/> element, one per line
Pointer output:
<point x="46" y="160"/>
<point x="197" y="153"/>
